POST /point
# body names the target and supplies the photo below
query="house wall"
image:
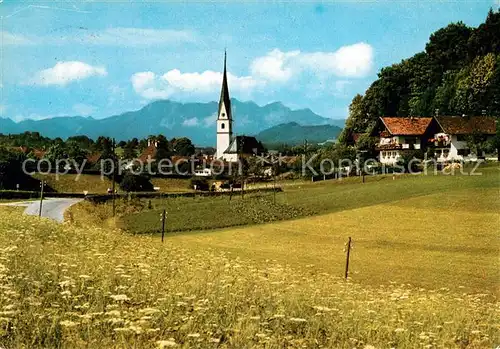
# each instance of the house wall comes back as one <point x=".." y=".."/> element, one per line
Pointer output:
<point x="230" y="157"/>
<point x="389" y="157"/>
<point x="455" y="145"/>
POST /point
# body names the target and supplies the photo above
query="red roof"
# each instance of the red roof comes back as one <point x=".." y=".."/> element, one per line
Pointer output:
<point x="93" y="158"/>
<point x="413" y="126"/>
<point x="39" y="153"/>
<point x="148" y="154"/>
<point x="467" y="125"/>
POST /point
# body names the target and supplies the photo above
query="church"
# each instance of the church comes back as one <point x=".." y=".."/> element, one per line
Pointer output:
<point x="231" y="148"/>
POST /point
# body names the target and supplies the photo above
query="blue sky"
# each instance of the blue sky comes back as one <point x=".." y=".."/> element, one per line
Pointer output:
<point x="105" y="58"/>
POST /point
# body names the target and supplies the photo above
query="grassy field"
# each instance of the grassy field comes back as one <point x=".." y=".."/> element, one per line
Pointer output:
<point x="72" y="183"/>
<point x="302" y="199"/>
<point x="172" y="185"/>
<point x="428" y="230"/>
<point x="69" y="287"/>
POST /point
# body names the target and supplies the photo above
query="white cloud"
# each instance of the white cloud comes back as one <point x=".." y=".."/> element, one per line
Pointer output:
<point x="275" y="66"/>
<point x="14" y="39"/>
<point x="348" y="61"/>
<point x="65" y="72"/>
<point x="3" y="108"/>
<point x="83" y="109"/>
<point x="152" y="86"/>
<point x="191" y="122"/>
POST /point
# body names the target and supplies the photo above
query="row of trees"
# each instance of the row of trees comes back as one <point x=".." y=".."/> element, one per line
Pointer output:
<point x="79" y="148"/>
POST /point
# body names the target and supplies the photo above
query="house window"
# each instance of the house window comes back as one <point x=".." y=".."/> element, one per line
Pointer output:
<point x="223" y="115"/>
<point x="222" y="126"/>
<point x="463" y="152"/>
<point x="461" y="138"/>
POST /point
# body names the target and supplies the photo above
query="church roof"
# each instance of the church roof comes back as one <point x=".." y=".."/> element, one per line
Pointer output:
<point x="224" y="93"/>
<point x="244" y="145"/>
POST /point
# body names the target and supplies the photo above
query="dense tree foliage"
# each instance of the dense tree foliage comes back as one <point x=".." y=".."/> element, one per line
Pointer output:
<point x="132" y="183"/>
<point x="458" y="73"/>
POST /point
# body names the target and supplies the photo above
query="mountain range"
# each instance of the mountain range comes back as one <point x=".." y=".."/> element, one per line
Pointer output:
<point x="292" y="134"/>
<point x="173" y="119"/>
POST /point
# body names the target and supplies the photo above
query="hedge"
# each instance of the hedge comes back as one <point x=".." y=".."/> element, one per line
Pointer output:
<point x="101" y="198"/>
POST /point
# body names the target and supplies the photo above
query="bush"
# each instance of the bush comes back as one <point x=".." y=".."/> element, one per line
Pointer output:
<point x="201" y="183"/>
<point x="132" y="182"/>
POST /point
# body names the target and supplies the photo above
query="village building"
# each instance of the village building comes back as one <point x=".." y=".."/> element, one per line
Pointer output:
<point x="446" y="136"/>
<point x="399" y="134"/>
<point x="230" y="148"/>
<point x="451" y="140"/>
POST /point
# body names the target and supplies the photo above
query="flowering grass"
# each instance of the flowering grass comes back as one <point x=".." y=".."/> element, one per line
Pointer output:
<point x="89" y="287"/>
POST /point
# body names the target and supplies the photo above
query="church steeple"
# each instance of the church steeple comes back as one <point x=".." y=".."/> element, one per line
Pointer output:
<point x="224" y="119"/>
<point x="225" y="100"/>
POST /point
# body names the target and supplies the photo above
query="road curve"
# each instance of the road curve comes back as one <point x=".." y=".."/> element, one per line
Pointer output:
<point x="52" y="208"/>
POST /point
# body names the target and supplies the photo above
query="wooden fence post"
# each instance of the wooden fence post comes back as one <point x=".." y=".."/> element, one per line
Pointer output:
<point x="42" y="184"/>
<point x="347" y="258"/>
<point x="163" y="219"/>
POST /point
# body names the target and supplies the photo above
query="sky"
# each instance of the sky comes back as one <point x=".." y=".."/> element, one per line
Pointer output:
<point x="66" y="58"/>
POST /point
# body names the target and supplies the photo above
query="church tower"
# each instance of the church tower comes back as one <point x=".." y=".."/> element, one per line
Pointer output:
<point x="224" y="119"/>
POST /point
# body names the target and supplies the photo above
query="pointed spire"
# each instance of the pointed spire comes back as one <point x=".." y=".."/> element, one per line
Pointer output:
<point x="224" y="93"/>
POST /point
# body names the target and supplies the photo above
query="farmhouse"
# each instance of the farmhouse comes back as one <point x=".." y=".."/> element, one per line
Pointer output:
<point x="398" y="134"/>
<point x="447" y="136"/>
<point x="454" y="131"/>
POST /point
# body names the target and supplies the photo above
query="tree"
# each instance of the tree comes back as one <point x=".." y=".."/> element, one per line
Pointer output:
<point x="473" y="84"/>
<point x="56" y="152"/>
<point x="356" y="119"/>
<point x="82" y="141"/>
<point x="408" y="160"/>
<point x="129" y="153"/>
<point x="76" y="153"/>
<point x="182" y="146"/>
<point x="477" y="143"/>
<point x="134" y="183"/>
<point x="448" y="46"/>
<point x="163" y="150"/>
<point x="367" y="144"/>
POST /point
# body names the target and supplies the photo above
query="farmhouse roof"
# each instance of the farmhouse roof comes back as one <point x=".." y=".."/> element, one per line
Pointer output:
<point x="148" y="154"/>
<point x="93" y="158"/>
<point x="406" y="126"/>
<point x="39" y="153"/>
<point x="467" y="125"/>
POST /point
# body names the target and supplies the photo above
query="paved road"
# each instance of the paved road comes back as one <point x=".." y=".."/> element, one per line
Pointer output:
<point x="53" y="208"/>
